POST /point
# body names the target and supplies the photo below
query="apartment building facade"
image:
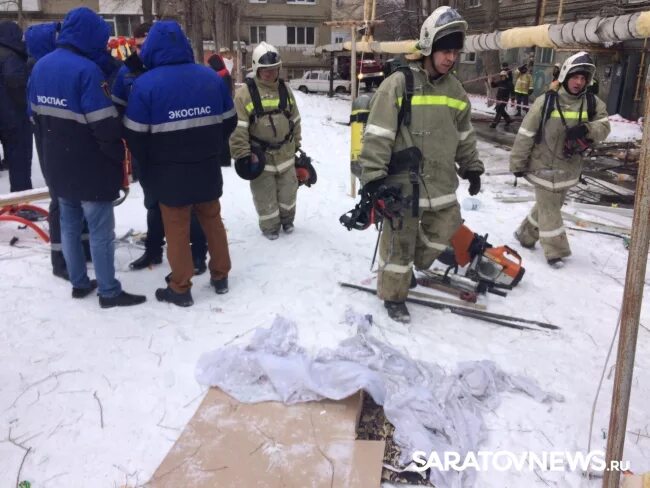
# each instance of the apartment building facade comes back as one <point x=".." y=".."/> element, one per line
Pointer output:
<point x="295" y="27"/>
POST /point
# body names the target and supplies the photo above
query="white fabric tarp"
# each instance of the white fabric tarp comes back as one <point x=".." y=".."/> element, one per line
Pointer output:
<point x="432" y="410"/>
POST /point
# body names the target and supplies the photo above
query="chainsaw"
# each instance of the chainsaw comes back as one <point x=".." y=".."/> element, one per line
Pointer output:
<point x="494" y="267"/>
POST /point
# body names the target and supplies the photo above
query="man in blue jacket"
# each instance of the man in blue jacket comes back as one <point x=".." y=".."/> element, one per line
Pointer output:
<point x="178" y="117"/>
<point x="153" y="244"/>
<point x="78" y="136"/>
<point x="15" y="132"/>
<point x="40" y="40"/>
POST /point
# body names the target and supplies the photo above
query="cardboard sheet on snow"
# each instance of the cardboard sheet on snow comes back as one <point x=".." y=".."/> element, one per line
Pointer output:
<point x="231" y="444"/>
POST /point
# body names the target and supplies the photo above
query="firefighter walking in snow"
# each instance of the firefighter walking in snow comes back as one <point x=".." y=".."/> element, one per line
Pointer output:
<point x="265" y="142"/>
<point x="418" y="129"/>
<point x="178" y="116"/>
<point x="548" y="151"/>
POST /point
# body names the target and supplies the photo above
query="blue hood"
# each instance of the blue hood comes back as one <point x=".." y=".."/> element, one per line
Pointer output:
<point x="41" y="39"/>
<point x="166" y="44"/>
<point x="11" y="36"/>
<point x="85" y="31"/>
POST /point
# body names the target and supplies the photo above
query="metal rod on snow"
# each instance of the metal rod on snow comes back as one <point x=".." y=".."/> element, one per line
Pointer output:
<point x="632" y="298"/>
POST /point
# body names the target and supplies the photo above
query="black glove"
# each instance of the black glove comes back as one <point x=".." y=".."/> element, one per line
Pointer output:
<point x="519" y="174"/>
<point x="371" y="187"/>
<point x="134" y="64"/>
<point x="577" y="132"/>
<point x="474" y="178"/>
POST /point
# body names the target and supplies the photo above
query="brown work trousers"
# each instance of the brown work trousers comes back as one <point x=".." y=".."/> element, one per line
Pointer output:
<point x="176" y="221"/>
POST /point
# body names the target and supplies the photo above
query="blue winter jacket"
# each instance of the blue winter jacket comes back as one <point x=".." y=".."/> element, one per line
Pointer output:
<point x="178" y="119"/>
<point x="78" y="133"/>
<point x="41" y="39"/>
<point x="13" y="76"/>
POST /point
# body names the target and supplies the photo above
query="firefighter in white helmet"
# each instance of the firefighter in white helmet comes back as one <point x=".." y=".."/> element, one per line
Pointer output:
<point x="265" y="142"/>
<point x="548" y="151"/>
<point x="432" y="121"/>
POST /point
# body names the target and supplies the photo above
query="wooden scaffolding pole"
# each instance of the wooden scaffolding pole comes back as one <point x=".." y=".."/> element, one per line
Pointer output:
<point x="632" y="298"/>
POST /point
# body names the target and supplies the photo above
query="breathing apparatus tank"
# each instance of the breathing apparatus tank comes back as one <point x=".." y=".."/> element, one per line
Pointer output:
<point x="358" y="119"/>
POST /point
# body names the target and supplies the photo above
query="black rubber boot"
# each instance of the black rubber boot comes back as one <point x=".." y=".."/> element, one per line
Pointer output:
<point x="84" y="292"/>
<point x="220" y="286"/>
<point x="170" y="296"/>
<point x="145" y="261"/>
<point x="59" y="268"/>
<point x="124" y="299"/>
<point x="398" y="311"/>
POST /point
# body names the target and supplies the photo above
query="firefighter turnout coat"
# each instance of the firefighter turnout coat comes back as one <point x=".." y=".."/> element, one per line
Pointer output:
<point x="549" y="170"/>
<point x="440" y="127"/>
<point x="274" y="191"/>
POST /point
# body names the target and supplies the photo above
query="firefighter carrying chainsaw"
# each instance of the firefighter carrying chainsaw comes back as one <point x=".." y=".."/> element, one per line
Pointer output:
<point x="265" y="143"/>
<point x="418" y="129"/>
<point x="548" y="151"/>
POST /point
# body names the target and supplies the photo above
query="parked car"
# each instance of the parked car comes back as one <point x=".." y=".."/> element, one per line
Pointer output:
<point x="319" y="81"/>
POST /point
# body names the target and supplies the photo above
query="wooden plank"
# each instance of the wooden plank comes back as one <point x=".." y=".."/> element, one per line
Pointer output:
<point x="26" y="196"/>
<point x="590" y="224"/>
<point x="450" y="301"/>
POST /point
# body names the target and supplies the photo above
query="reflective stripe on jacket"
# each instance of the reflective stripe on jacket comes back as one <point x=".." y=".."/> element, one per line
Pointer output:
<point x="440" y="127"/>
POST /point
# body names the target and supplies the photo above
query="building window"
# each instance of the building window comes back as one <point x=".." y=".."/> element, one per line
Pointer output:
<point x="123" y="25"/>
<point x="300" y="36"/>
<point x="258" y="34"/>
<point x="473" y="3"/>
<point x="338" y="40"/>
<point x="468" y="58"/>
<point x="309" y="2"/>
<point x="545" y="55"/>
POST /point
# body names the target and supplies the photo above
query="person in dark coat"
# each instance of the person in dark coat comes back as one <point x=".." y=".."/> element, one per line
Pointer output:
<point x="15" y="131"/>
<point x="178" y="117"/>
<point x="504" y="89"/>
<point x="155" y="240"/>
<point x="217" y="64"/>
<point x="78" y="135"/>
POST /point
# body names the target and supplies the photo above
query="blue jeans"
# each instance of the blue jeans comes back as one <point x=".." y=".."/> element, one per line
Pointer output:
<point x="101" y="225"/>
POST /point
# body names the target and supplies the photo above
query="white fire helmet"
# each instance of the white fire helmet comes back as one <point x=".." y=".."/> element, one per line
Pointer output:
<point x="443" y="21"/>
<point x="265" y="56"/>
<point x="580" y="62"/>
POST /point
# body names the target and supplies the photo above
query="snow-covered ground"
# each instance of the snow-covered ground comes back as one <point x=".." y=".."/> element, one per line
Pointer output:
<point x="66" y="364"/>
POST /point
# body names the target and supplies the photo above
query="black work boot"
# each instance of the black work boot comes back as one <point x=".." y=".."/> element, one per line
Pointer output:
<point x="199" y="266"/>
<point x="271" y="235"/>
<point x="124" y="299"/>
<point x="84" y="292"/>
<point x="288" y="228"/>
<point x="220" y="286"/>
<point x="59" y="268"/>
<point x="556" y="263"/>
<point x="398" y="311"/>
<point x="170" y="296"/>
<point x="146" y="260"/>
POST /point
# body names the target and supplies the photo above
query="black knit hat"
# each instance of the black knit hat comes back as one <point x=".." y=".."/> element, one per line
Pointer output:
<point x="453" y="40"/>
